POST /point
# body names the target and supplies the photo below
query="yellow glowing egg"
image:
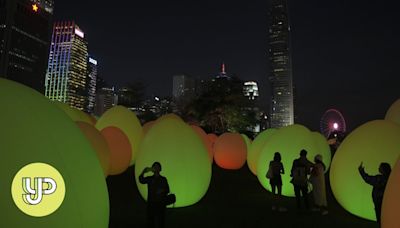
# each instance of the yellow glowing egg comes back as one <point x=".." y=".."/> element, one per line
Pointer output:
<point x="322" y="148"/>
<point x="200" y="132"/>
<point x="391" y="200"/>
<point x="393" y="114"/>
<point x="256" y="147"/>
<point x="372" y="143"/>
<point x="127" y="122"/>
<point x="74" y="114"/>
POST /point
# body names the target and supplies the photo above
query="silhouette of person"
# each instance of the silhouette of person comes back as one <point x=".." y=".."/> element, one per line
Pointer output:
<point x="157" y="190"/>
<point x="276" y="167"/>
<point x="301" y="168"/>
<point x="379" y="184"/>
<point x="317" y="180"/>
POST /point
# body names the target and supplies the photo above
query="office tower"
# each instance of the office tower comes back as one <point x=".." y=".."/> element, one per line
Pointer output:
<point x="25" y="32"/>
<point x="67" y="67"/>
<point x="183" y="88"/>
<point x="281" y="79"/>
<point x="250" y="90"/>
<point x="91" y="84"/>
<point x="105" y="99"/>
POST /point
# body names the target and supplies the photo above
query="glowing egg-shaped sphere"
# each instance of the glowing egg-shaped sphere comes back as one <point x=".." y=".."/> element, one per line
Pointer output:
<point x="322" y="148"/>
<point x="147" y="126"/>
<point x="183" y="158"/>
<point x="120" y="149"/>
<point x="212" y="138"/>
<point x="200" y="132"/>
<point x="289" y="141"/>
<point x="98" y="143"/>
<point x="73" y="113"/>
<point x="255" y="149"/>
<point x="393" y="114"/>
<point x="230" y="151"/>
<point x="34" y="130"/>
<point x="391" y="200"/>
<point x="247" y="140"/>
<point x="372" y="143"/>
<point x="125" y="120"/>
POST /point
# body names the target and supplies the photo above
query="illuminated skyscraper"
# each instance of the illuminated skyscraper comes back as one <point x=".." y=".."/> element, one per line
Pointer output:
<point x="91" y="85"/>
<point x="250" y="90"/>
<point x="25" y="32"/>
<point x="66" y="78"/>
<point x="282" y="107"/>
<point x="183" y="88"/>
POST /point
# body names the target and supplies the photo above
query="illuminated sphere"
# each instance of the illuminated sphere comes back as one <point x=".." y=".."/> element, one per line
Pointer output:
<point x="147" y="126"/>
<point x="247" y="140"/>
<point x="391" y="200"/>
<point x="120" y="150"/>
<point x="289" y="141"/>
<point x="98" y="143"/>
<point x="393" y="114"/>
<point x="212" y="138"/>
<point x="372" y="143"/>
<point x="207" y="143"/>
<point x="255" y="149"/>
<point x="183" y="156"/>
<point x="322" y="148"/>
<point x="34" y="130"/>
<point x="73" y="113"/>
<point x="230" y="151"/>
<point x="125" y="120"/>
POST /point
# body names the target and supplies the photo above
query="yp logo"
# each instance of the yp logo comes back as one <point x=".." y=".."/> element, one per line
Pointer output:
<point x="38" y="189"/>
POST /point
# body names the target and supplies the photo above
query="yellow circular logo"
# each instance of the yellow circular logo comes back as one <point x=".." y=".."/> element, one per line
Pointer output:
<point x="38" y="189"/>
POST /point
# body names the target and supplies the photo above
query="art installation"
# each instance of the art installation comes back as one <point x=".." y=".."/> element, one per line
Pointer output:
<point x="255" y="149"/>
<point x="372" y="143"/>
<point x="212" y="138"/>
<point x="322" y="148"/>
<point x="391" y="200"/>
<point x="183" y="156"/>
<point x="99" y="144"/>
<point x="52" y="140"/>
<point x="247" y="140"/>
<point x="393" y="114"/>
<point x="120" y="150"/>
<point x="125" y="120"/>
<point x="147" y="126"/>
<point x="300" y="138"/>
<point x="230" y="151"/>
<point x="207" y="143"/>
<point x="75" y="114"/>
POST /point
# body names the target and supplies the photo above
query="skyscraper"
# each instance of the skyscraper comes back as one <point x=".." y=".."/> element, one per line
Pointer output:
<point x="66" y="76"/>
<point x="91" y="84"/>
<point x="281" y="79"/>
<point x="183" y="88"/>
<point x="25" y="32"/>
<point x="105" y="99"/>
<point x="250" y="90"/>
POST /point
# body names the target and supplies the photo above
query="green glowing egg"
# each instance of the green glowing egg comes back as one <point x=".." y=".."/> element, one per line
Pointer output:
<point x="230" y="151"/>
<point x="391" y="200"/>
<point x="372" y="143"/>
<point x="207" y="143"/>
<point x="125" y="120"/>
<point x="393" y="114"/>
<point x="322" y="148"/>
<point x="183" y="156"/>
<point x="247" y="140"/>
<point x="75" y="114"/>
<point x="256" y="147"/>
<point x="289" y="141"/>
<point x="34" y="130"/>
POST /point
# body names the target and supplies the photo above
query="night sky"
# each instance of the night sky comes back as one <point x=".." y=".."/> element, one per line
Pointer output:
<point x="346" y="54"/>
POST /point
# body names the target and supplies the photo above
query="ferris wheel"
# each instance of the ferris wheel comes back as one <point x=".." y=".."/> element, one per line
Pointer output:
<point x="332" y="121"/>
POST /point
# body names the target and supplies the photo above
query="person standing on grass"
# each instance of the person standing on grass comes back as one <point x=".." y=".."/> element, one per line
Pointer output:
<point x="275" y="180"/>
<point x="301" y="168"/>
<point x="379" y="184"/>
<point x="317" y="180"/>
<point x="157" y="191"/>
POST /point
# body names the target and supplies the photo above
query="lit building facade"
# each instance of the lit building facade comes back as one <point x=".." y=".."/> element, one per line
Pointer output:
<point x="66" y="78"/>
<point x="25" y="32"/>
<point x="91" y="84"/>
<point x="250" y="90"/>
<point x="106" y="98"/>
<point x="281" y="79"/>
<point x="183" y="88"/>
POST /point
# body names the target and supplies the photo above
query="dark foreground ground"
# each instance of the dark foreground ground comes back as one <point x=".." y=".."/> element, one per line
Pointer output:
<point x="234" y="199"/>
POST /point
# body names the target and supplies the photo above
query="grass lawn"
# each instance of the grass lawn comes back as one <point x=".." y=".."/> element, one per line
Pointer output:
<point x="234" y="199"/>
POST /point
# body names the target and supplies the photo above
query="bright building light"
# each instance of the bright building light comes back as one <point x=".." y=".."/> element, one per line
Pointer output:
<point x="79" y="33"/>
<point x="93" y="61"/>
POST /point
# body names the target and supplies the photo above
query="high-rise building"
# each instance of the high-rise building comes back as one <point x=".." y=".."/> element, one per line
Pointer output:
<point x="183" y="88"/>
<point x="106" y="98"/>
<point x="25" y="32"/>
<point x="250" y="90"/>
<point x="67" y="67"/>
<point x="281" y="79"/>
<point x="223" y="73"/>
<point x="91" y="84"/>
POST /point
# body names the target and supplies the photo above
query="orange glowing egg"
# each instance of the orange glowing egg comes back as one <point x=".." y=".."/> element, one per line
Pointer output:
<point x="207" y="143"/>
<point x="391" y="200"/>
<point x="147" y="126"/>
<point x="230" y="151"/>
<point x="120" y="149"/>
<point x="98" y="143"/>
